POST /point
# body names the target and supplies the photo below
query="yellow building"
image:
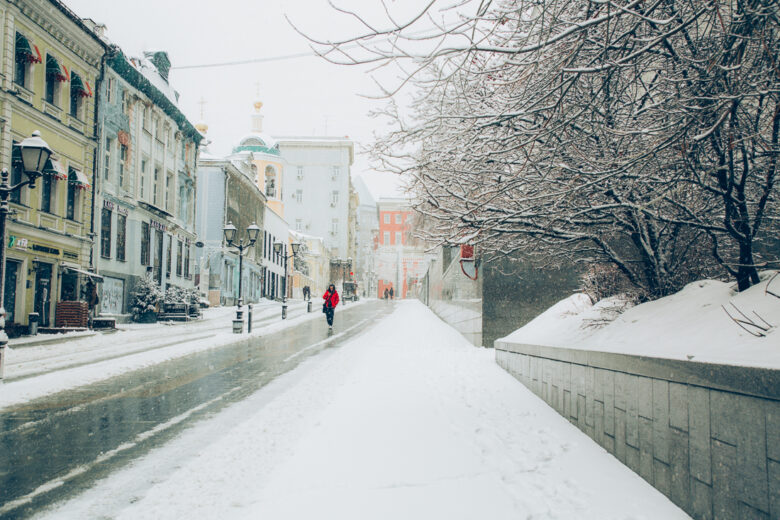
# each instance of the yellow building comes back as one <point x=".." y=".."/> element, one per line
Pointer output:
<point x="51" y="62"/>
<point x="265" y="156"/>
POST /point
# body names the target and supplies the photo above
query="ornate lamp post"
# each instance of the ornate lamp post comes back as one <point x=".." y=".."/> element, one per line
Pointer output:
<point x="278" y="248"/>
<point x="35" y="152"/>
<point x="230" y="232"/>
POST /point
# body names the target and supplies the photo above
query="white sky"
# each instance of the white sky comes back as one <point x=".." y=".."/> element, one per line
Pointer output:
<point x="301" y="96"/>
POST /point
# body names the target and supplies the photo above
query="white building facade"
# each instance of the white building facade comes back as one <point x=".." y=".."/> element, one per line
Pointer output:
<point x="145" y="182"/>
<point x="316" y="188"/>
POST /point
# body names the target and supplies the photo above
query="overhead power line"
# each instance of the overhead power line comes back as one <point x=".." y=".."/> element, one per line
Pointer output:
<point x="246" y="62"/>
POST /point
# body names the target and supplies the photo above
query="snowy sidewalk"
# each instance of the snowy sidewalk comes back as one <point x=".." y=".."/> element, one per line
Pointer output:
<point x="408" y="421"/>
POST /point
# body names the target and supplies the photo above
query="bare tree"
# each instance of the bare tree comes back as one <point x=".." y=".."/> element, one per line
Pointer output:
<point x="641" y="133"/>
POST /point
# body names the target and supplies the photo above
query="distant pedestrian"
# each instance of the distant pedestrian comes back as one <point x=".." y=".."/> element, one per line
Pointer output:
<point x="306" y="292"/>
<point x="387" y="293"/>
<point x="331" y="298"/>
<point x="391" y="293"/>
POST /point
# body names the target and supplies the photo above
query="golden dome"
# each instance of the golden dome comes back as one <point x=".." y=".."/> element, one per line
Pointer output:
<point x="201" y="127"/>
<point x="258" y="106"/>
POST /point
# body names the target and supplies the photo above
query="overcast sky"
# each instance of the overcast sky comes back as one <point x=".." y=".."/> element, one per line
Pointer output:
<point x="301" y="96"/>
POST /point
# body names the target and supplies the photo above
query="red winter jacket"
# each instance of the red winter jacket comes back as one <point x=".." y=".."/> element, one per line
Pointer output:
<point x="331" y="299"/>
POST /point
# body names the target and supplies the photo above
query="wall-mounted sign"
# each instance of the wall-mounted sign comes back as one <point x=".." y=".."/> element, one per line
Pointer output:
<point x="17" y="243"/>
<point x="158" y="225"/>
<point x="114" y="207"/>
<point x="45" y="249"/>
<point x="70" y="254"/>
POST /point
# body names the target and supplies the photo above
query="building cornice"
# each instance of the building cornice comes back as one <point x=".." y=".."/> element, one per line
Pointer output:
<point x="64" y="26"/>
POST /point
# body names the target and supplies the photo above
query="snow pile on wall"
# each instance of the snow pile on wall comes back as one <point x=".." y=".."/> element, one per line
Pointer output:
<point x="691" y="324"/>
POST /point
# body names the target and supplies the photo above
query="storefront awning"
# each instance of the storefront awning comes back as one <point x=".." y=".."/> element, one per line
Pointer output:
<point x="55" y="70"/>
<point x="78" y="178"/>
<point x="29" y="53"/>
<point x="93" y="276"/>
<point x="79" y="86"/>
<point x="54" y="167"/>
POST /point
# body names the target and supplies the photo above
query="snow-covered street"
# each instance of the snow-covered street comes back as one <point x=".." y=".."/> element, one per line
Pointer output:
<point x="406" y="420"/>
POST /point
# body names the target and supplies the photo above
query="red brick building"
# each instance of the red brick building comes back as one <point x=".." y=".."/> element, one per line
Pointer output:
<point x="400" y="260"/>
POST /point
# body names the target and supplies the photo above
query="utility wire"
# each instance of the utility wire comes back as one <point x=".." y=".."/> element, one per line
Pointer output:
<point x="246" y="62"/>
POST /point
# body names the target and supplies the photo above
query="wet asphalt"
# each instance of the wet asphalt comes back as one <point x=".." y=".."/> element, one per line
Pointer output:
<point x="54" y="447"/>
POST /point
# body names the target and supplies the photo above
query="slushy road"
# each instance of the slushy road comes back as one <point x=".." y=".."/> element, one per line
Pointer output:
<point x="56" y="446"/>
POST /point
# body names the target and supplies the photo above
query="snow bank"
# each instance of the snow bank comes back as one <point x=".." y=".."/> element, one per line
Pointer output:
<point x="407" y="421"/>
<point x="691" y="324"/>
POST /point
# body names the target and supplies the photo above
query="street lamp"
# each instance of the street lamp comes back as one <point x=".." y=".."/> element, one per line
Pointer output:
<point x="278" y="248"/>
<point x="230" y="232"/>
<point x="35" y="153"/>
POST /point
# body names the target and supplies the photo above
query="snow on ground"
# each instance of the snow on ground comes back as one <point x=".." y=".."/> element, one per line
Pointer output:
<point x="691" y="324"/>
<point x="407" y="421"/>
<point x="100" y="357"/>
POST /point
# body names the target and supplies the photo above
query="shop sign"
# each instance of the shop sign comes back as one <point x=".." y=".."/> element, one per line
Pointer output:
<point x="158" y="225"/>
<point x="45" y="249"/>
<point x="70" y="254"/>
<point x="114" y="207"/>
<point x="18" y="243"/>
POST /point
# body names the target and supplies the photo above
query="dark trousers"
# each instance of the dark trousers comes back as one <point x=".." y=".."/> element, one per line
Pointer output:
<point x="329" y="315"/>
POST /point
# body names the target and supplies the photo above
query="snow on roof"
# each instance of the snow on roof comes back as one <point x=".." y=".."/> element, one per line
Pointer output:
<point x="150" y="72"/>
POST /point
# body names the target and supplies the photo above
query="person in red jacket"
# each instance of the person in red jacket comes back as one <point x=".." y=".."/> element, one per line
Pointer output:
<point x="331" y="298"/>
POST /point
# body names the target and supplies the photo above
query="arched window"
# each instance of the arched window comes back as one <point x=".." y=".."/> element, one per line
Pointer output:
<point x="270" y="181"/>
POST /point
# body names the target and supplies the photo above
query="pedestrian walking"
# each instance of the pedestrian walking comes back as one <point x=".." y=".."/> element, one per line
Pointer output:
<point x="306" y="293"/>
<point x="387" y="293"/>
<point x="331" y="298"/>
<point x="391" y="293"/>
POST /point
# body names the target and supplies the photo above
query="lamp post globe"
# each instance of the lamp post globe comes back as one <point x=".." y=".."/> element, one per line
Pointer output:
<point x="230" y="233"/>
<point x="35" y="153"/>
<point x="252" y="231"/>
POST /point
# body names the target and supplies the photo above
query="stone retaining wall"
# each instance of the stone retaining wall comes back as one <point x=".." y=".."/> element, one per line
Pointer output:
<point x="705" y="435"/>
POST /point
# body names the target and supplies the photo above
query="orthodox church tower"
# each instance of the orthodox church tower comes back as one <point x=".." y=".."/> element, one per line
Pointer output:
<point x="266" y="158"/>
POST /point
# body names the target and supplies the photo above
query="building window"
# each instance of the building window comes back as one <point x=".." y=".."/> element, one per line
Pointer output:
<point x="77" y="94"/>
<point x="110" y="90"/>
<point x="179" y="258"/>
<point x="142" y="179"/>
<point x="387" y="218"/>
<point x="122" y="159"/>
<point x="187" y="262"/>
<point x="24" y="57"/>
<point x="300" y="172"/>
<point x="107" y="163"/>
<point x="70" y="210"/>
<point x="156" y="185"/>
<point x="16" y="173"/>
<point x="270" y="182"/>
<point x="47" y="187"/>
<point x="53" y="78"/>
<point x="121" y="234"/>
<point x="398" y="237"/>
<point x="298" y="224"/>
<point x="124" y="101"/>
<point x="169" y="191"/>
<point x="335" y="172"/>
<point x="105" y="233"/>
<point x="386" y="238"/>
<point x="147" y="119"/>
<point x="145" y="239"/>
<point x="168" y="260"/>
<point x="334" y="226"/>
<point x="299" y="196"/>
<point x="398" y="218"/>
